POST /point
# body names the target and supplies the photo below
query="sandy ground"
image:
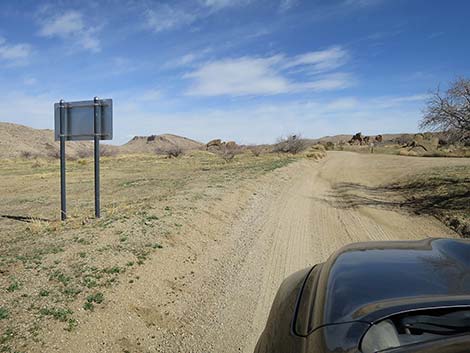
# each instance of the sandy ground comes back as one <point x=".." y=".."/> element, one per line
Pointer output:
<point x="212" y="293"/>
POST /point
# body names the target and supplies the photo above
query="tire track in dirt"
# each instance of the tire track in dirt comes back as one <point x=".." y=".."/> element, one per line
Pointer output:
<point x="305" y="227"/>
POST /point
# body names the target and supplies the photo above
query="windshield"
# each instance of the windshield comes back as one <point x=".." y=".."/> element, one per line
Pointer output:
<point x="410" y="328"/>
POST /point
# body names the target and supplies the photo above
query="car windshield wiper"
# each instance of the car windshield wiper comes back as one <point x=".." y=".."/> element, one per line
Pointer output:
<point x="442" y="325"/>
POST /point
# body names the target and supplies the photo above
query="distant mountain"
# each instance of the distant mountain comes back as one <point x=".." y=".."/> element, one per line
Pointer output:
<point x="19" y="140"/>
<point x="346" y="138"/>
<point x="145" y="144"/>
<point x="23" y="141"/>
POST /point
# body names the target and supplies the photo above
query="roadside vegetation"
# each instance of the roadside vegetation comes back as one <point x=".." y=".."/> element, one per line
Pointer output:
<point x="54" y="273"/>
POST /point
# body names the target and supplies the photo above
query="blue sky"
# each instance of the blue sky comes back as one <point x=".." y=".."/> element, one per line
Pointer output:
<point x="244" y="70"/>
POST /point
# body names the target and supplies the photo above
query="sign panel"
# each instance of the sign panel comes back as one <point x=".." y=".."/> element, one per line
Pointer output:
<point x="79" y="120"/>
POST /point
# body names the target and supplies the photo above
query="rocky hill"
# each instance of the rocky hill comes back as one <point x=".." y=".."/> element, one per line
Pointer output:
<point x="146" y="144"/>
<point x="23" y="141"/>
<point x="396" y="138"/>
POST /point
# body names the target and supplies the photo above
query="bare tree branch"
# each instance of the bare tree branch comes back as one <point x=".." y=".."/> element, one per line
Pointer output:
<point x="450" y="112"/>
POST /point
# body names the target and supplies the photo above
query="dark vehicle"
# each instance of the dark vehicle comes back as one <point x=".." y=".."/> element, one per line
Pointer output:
<point x="393" y="297"/>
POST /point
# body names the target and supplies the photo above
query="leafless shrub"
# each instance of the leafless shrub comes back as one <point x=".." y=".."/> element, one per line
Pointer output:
<point x="170" y="152"/>
<point x="84" y="152"/>
<point x="228" y="151"/>
<point x="291" y="144"/>
<point x="450" y="111"/>
<point x="38" y="163"/>
<point x="329" y="146"/>
<point x="108" y="151"/>
<point x="255" y="150"/>
<point x="27" y="155"/>
<point x="53" y="153"/>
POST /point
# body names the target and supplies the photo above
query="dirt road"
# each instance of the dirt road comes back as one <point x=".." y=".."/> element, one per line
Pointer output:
<point x="213" y="292"/>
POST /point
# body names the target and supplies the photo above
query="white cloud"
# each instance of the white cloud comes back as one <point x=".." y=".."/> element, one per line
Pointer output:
<point x="245" y="123"/>
<point x="362" y="3"/>
<point x="14" y="54"/>
<point x="323" y="60"/>
<point x="71" y="25"/>
<point x="30" y="81"/>
<point x="219" y="4"/>
<point x="243" y="76"/>
<point x="264" y="122"/>
<point x="150" y="95"/>
<point x="271" y="75"/>
<point x="286" y="5"/>
<point x="189" y="59"/>
<point x="327" y="83"/>
<point x="30" y="110"/>
<point x="165" y="17"/>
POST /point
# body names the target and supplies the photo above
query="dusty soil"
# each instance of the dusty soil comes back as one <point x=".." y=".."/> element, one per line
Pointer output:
<point x="209" y="289"/>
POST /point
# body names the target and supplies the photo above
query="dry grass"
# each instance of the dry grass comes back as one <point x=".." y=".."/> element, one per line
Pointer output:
<point x="54" y="273"/>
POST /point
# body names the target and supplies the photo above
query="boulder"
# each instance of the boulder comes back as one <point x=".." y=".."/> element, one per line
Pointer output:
<point x="231" y="145"/>
<point x="216" y="143"/>
<point x="357" y="139"/>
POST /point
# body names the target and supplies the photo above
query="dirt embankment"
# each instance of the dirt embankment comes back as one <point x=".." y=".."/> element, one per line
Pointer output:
<point x="212" y="292"/>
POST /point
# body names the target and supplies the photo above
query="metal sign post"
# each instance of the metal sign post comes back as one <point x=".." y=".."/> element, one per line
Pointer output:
<point x="97" y="133"/>
<point x="84" y="120"/>
<point x="63" y="204"/>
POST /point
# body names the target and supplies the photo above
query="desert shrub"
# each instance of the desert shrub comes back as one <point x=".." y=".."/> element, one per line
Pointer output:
<point x="39" y="163"/>
<point x="318" y="147"/>
<point x="329" y="146"/>
<point x="53" y="153"/>
<point x="108" y="151"/>
<point x="170" y="152"/>
<point x="84" y="152"/>
<point x="291" y="144"/>
<point x="228" y="151"/>
<point x="27" y="154"/>
<point x="255" y="150"/>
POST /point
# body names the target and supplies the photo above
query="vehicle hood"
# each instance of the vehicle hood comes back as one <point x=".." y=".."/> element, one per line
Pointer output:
<point x="366" y="281"/>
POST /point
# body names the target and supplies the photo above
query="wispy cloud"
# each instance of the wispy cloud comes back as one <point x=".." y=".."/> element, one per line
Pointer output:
<point x="363" y="3"/>
<point x="30" y="81"/>
<point x="270" y="75"/>
<point x="71" y="25"/>
<point x="163" y="17"/>
<point x="242" y="76"/>
<point x="319" y="61"/>
<point x="263" y="123"/>
<point x="150" y="95"/>
<point x="219" y="4"/>
<point x="14" y="54"/>
<point x="286" y="5"/>
<point x="188" y="59"/>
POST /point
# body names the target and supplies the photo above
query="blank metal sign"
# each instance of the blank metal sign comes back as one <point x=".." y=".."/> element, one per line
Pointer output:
<point x="79" y="120"/>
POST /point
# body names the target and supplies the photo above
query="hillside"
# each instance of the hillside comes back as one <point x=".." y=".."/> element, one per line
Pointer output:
<point x="346" y="138"/>
<point x="145" y="144"/>
<point x="19" y="140"/>
<point x="23" y="141"/>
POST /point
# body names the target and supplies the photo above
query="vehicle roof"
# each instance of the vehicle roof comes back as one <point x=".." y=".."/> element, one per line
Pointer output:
<point x="364" y="281"/>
